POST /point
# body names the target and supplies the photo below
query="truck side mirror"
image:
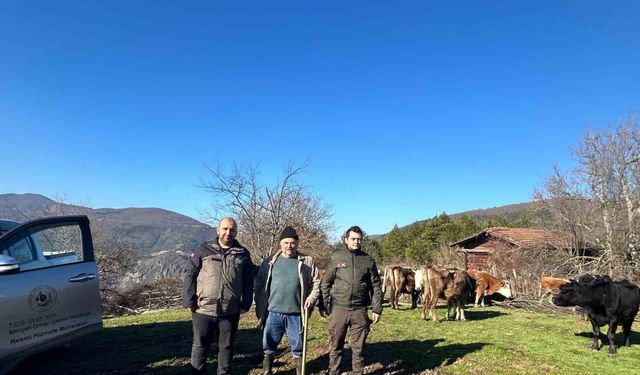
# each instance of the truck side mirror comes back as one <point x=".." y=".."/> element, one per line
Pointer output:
<point x="8" y="264"/>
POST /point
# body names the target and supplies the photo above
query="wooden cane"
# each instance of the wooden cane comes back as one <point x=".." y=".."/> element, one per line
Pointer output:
<point x="304" y="340"/>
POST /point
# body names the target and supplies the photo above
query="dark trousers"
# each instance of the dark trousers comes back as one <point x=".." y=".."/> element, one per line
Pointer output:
<point x="358" y="322"/>
<point x="206" y="330"/>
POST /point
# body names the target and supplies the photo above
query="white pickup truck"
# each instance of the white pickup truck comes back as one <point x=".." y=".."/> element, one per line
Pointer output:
<point x="49" y="293"/>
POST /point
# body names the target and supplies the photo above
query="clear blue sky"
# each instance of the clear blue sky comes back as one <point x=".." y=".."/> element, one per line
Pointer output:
<point x="406" y="109"/>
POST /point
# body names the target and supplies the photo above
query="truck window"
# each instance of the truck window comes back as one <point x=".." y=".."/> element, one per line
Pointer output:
<point x="21" y="250"/>
<point x="60" y="244"/>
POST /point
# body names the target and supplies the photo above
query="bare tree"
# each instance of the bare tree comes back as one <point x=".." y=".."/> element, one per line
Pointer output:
<point x="599" y="200"/>
<point x="263" y="211"/>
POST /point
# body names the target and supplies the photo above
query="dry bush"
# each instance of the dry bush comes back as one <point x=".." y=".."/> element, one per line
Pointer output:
<point x="447" y="256"/>
<point x="159" y="294"/>
<point x="524" y="267"/>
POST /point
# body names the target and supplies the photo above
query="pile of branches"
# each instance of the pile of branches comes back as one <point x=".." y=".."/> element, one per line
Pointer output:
<point x="536" y="305"/>
<point x="155" y="295"/>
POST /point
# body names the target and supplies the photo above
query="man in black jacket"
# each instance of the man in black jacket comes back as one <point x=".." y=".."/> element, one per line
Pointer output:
<point x="218" y="287"/>
<point x="350" y="284"/>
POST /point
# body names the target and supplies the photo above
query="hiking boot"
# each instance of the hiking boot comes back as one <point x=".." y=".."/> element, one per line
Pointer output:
<point x="267" y="364"/>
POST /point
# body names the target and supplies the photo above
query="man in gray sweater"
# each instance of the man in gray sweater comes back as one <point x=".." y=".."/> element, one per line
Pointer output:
<point x="287" y="284"/>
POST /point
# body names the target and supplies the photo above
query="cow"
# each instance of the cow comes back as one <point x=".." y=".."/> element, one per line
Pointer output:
<point x="400" y="280"/>
<point x="451" y="284"/>
<point x="550" y="286"/>
<point x="486" y="285"/>
<point x="606" y="302"/>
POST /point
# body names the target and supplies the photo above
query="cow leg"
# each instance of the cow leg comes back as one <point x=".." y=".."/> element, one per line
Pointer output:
<point x="451" y="311"/>
<point x="432" y="308"/>
<point x="626" y="329"/>
<point x="414" y="300"/>
<point x="454" y="311"/>
<point x="460" y="315"/>
<point x="478" y="295"/>
<point x="434" y="316"/>
<point x="595" y="345"/>
<point x="392" y="298"/>
<point x="396" y="298"/>
<point x="425" y="306"/>
<point x="611" y="335"/>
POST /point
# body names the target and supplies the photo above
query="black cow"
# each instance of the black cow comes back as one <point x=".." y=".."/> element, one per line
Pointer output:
<point x="606" y="302"/>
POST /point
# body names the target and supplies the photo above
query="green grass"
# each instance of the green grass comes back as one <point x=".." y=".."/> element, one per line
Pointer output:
<point x="492" y="341"/>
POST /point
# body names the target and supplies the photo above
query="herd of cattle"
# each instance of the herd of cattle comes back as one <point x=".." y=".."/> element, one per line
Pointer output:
<point x="607" y="302"/>
<point x="455" y="286"/>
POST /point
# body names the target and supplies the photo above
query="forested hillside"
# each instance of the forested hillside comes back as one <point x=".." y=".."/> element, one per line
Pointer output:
<point x="429" y="240"/>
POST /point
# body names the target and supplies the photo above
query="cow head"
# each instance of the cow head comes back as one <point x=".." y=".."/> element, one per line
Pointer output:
<point x="574" y="292"/>
<point x="505" y="290"/>
<point x="569" y="295"/>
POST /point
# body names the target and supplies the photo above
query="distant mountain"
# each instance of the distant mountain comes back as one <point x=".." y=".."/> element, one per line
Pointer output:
<point x="509" y="210"/>
<point x="162" y="239"/>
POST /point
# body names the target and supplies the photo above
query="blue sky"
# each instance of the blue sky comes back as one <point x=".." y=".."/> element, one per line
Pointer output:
<point x="405" y="110"/>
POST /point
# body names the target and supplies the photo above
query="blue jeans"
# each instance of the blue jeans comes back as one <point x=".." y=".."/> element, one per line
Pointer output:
<point x="274" y="329"/>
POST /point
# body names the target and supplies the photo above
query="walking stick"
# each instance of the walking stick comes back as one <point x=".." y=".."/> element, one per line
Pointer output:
<point x="304" y="339"/>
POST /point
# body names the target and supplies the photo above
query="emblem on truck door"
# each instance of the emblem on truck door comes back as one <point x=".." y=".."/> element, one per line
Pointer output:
<point x="42" y="298"/>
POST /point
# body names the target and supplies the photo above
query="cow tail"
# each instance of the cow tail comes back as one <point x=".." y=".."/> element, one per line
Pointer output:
<point x="393" y="283"/>
<point x="384" y="281"/>
<point x="431" y="290"/>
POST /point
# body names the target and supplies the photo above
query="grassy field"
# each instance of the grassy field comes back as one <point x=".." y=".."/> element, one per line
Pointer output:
<point x="492" y="341"/>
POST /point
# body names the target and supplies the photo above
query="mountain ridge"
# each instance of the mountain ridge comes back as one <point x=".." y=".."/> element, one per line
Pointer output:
<point x="161" y="239"/>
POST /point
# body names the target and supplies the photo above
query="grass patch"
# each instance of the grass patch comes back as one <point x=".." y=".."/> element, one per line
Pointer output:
<point x="492" y="341"/>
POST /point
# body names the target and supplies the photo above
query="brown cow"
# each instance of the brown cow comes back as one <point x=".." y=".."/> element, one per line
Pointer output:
<point x="450" y="284"/>
<point x="400" y="280"/>
<point x="550" y="286"/>
<point x="486" y="285"/>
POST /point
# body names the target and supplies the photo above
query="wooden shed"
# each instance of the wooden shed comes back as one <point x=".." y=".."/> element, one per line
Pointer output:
<point x="479" y="248"/>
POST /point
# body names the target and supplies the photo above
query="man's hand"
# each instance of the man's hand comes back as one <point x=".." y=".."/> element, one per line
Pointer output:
<point x="309" y="303"/>
<point x="376" y="318"/>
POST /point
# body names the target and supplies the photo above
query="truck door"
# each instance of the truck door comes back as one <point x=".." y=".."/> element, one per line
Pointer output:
<point x="54" y="295"/>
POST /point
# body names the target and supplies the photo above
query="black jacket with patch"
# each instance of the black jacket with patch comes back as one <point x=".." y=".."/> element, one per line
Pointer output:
<point x="351" y="281"/>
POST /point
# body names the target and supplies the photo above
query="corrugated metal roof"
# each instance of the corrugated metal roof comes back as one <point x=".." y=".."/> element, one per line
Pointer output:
<point x="521" y="237"/>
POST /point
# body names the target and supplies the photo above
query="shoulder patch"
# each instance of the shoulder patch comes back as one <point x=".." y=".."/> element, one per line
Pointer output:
<point x="341" y="265"/>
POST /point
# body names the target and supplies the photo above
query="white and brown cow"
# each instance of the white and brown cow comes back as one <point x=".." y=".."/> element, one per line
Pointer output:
<point x="399" y="280"/>
<point x="451" y="284"/>
<point x="487" y="284"/>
